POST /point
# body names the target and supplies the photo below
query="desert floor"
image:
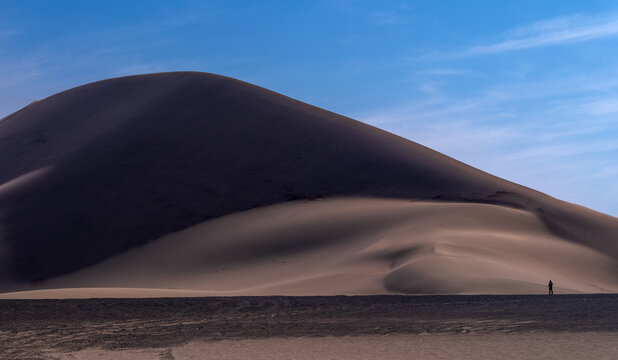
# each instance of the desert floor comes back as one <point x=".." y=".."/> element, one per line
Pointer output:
<point x="335" y="327"/>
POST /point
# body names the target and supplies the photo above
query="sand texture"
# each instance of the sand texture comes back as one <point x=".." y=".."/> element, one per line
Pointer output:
<point x="353" y="246"/>
<point x="548" y="346"/>
<point x="209" y="185"/>
<point x="358" y="327"/>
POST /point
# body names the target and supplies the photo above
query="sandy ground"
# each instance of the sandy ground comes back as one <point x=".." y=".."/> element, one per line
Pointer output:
<point x="311" y="327"/>
<point x="600" y="346"/>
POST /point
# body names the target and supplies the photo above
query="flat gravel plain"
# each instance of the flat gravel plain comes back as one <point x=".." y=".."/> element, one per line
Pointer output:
<point x="30" y="329"/>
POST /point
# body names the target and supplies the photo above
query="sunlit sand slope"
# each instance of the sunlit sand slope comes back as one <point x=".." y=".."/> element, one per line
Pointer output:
<point x="359" y="246"/>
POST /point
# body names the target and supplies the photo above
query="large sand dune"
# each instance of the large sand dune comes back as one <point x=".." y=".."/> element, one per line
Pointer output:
<point x="122" y="183"/>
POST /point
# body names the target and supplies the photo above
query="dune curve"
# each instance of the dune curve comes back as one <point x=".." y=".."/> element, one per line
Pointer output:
<point x="109" y="172"/>
<point x="359" y="246"/>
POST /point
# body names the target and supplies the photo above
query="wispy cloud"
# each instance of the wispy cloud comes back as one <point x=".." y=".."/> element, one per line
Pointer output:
<point x="600" y="106"/>
<point x="555" y="134"/>
<point x="26" y="75"/>
<point x="551" y="32"/>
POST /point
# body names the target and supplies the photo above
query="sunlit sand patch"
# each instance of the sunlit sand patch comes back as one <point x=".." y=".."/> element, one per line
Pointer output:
<point x="350" y="246"/>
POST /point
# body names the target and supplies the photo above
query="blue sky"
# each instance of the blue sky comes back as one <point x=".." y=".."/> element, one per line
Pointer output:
<point x="525" y="90"/>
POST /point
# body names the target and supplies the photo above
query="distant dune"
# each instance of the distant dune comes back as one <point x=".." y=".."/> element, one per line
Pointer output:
<point x="198" y="182"/>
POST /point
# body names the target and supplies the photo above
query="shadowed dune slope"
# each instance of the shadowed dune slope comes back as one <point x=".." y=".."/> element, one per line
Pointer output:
<point x="97" y="170"/>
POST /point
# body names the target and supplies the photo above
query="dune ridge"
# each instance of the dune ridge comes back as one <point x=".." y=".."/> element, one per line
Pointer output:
<point x="123" y="165"/>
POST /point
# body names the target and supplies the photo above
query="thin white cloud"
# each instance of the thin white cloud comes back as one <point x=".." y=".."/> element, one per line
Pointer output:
<point x="552" y="134"/>
<point x="600" y="106"/>
<point x="551" y="32"/>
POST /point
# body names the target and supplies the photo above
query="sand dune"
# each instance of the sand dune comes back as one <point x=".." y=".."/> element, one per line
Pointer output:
<point x="124" y="182"/>
<point x="357" y="246"/>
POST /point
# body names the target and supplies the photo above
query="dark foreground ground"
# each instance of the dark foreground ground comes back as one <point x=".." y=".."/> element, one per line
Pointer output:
<point x="32" y="328"/>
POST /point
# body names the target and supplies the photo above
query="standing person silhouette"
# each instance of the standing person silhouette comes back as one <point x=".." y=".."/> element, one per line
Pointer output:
<point x="551" y="287"/>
